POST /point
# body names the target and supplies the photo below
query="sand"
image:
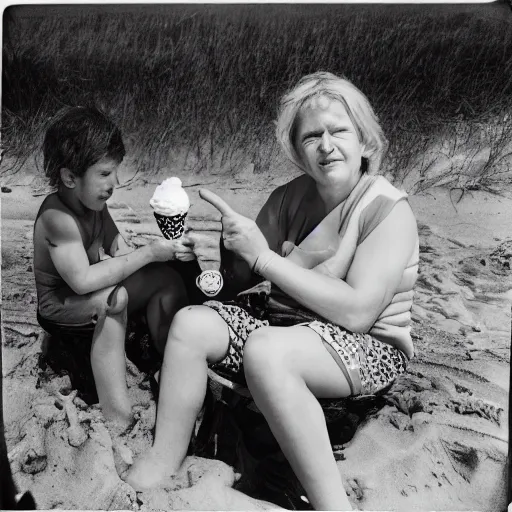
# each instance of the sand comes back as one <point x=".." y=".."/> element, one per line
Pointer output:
<point x="439" y="443"/>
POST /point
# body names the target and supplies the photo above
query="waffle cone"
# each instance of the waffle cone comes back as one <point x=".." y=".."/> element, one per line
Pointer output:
<point x="172" y="226"/>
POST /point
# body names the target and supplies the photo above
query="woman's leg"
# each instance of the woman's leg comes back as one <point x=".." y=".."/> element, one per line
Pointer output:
<point x="159" y="290"/>
<point x="286" y="368"/>
<point x="108" y="359"/>
<point x="197" y="336"/>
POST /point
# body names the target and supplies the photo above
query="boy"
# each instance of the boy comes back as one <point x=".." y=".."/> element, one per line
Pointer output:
<point x="86" y="275"/>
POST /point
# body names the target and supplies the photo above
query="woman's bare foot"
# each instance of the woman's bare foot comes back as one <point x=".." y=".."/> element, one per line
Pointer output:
<point x="150" y="472"/>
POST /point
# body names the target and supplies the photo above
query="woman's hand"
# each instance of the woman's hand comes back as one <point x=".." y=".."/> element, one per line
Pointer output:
<point x="205" y="248"/>
<point x="240" y="234"/>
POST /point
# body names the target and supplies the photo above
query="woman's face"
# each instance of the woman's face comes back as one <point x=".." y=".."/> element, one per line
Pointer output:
<point x="328" y="144"/>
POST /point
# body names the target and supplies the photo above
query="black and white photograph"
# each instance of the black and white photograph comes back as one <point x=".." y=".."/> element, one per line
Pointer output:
<point x="256" y="256"/>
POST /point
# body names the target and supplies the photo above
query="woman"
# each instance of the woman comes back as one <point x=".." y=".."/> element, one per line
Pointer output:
<point x="338" y="251"/>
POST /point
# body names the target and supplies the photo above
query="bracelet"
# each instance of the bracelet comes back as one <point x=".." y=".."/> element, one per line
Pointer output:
<point x="263" y="261"/>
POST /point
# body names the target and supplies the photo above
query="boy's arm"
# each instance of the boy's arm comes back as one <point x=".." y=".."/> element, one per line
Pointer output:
<point x="68" y="254"/>
<point x="114" y="244"/>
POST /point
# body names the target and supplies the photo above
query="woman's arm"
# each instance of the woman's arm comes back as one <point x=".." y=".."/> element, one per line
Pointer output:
<point x="373" y="277"/>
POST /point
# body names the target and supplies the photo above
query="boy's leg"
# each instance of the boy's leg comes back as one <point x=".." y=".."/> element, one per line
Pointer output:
<point x="107" y="309"/>
<point x="158" y="290"/>
<point x="108" y="359"/>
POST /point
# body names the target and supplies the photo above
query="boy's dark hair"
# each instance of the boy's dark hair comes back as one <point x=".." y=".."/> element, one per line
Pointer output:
<point x="77" y="138"/>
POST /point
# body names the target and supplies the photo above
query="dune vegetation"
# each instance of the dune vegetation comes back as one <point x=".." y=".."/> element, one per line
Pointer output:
<point x="200" y="83"/>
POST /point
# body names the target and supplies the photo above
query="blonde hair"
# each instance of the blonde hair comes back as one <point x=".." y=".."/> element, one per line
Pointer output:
<point x="324" y="84"/>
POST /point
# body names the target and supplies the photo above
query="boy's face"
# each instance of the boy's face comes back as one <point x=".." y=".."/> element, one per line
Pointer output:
<point x="94" y="188"/>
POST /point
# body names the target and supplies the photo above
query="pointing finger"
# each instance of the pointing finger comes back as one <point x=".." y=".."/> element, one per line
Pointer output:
<point x="216" y="201"/>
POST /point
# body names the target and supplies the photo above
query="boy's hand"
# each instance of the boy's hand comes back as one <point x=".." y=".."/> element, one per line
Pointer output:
<point x="183" y="251"/>
<point x="165" y="250"/>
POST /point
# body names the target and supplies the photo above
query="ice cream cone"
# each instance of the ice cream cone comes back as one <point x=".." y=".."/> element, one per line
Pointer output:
<point x="170" y="205"/>
<point x="171" y="226"/>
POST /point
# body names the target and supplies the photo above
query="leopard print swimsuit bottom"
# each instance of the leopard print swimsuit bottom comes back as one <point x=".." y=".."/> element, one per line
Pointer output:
<point x="369" y="365"/>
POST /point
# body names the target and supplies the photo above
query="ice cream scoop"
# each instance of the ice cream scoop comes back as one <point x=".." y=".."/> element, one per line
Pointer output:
<point x="169" y="198"/>
<point x="170" y="204"/>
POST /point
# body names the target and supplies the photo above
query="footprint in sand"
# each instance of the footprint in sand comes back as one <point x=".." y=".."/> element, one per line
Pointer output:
<point x="30" y="453"/>
<point x="357" y="489"/>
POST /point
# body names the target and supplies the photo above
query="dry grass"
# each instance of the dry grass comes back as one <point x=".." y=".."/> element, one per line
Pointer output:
<point x="201" y="83"/>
